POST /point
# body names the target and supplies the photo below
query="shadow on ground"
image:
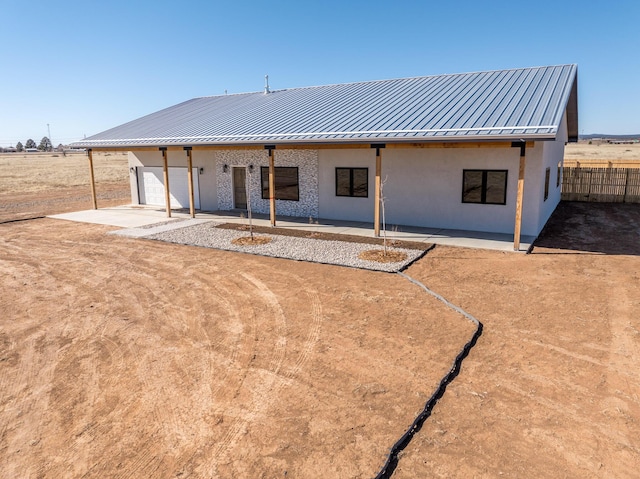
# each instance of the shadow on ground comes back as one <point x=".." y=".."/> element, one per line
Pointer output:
<point x="603" y="228"/>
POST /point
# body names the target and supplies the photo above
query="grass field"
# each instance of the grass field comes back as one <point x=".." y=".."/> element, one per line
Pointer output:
<point x="34" y="184"/>
<point x="31" y="172"/>
<point x="601" y="154"/>
<point x="131" y="358"/>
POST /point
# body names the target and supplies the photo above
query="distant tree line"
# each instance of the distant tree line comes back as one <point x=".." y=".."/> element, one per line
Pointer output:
<point x="45" y="145"/>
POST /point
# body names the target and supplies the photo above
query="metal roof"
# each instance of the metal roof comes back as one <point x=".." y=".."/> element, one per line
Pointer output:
<point x="525" y="103"/>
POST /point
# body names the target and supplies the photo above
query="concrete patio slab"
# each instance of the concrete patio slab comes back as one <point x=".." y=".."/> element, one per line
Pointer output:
<point x="133" y="217"/>
<point x="124" y="217"/>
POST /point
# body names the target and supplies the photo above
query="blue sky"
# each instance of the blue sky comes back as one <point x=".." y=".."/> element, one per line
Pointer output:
<point x="85" y="66"/>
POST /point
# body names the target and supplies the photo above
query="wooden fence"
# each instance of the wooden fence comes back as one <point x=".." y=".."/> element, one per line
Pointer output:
<point x="610" y="185"/>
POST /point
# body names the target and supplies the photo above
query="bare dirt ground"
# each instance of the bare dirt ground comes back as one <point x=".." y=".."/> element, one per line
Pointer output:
<point x="129" y="358"/>
<point x="132" y="358"/>
<point x="33" y="184"/>
<point x="552" y="388"/>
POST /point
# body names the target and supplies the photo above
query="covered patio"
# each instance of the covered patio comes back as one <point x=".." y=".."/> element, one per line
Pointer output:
<point x="135" y="217"/>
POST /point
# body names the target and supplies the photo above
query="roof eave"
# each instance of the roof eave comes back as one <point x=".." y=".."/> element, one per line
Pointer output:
<point x="121" y="144"/>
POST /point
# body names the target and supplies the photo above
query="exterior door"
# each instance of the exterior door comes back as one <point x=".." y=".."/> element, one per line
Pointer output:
<point x="239" y="188"/>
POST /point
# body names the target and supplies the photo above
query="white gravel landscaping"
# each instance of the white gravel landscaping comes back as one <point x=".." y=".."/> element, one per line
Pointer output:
<point x="341" y="253"/>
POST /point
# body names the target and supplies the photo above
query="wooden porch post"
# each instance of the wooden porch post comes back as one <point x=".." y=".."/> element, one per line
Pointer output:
<point x="520" y="195"/>
<point x="167" y="197"/>
<point x="94" y="198"/>
<point x="377" y="196"/>
<point x="272" y="184"/>
<point x="192" y="208"/>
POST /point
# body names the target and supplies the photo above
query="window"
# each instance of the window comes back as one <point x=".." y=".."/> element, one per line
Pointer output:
<point x="286" y="183"/>
<point x="352" y="182"/>
<point x="547" y="174"/>
<point x="484" y="186"/>
<point x="559" y="174"/>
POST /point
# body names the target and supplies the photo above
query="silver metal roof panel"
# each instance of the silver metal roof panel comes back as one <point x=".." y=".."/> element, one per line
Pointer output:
<point x="526" y="103"/>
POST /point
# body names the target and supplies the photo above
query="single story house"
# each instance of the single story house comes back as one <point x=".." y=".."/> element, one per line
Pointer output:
<point x="473" y="151"/>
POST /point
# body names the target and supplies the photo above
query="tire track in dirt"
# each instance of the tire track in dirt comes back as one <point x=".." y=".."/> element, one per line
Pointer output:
<point x="313" y="335"/>
<point x="609" y="364"/>
<point x="244" y="417"/>
<point x="171" y="416"/>
<point x="154" y="408"/>
<point x="240" y="350"/>
<point x="152" y="372"/>
<point x="25" y="376"/>
<point x="7" y="382"/>
<point x="98" y="361"/>
<point x="622" y="401"/>
<point x="314" y="326"/>
<point x="202" y="381"/>
<point x="231" y="342"/>
<point x="102" y="343"/>
<point x="145" y="463"/>
<point x="16" y="380"/>
<point x="280" y="344"/>
<point x="83" y="347"/>
<point x="267" y="390"/>
<point x="96" y="352"/>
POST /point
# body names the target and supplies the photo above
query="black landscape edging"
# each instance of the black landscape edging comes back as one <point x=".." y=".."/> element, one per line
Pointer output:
<point x="392" y="460"/>
<point x="22" y="219"/>
<point x="417" y="258"/>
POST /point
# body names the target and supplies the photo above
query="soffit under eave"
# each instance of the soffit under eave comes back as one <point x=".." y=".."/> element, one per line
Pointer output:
<point x="572" y="112"/>
<point x="322" y="146"/>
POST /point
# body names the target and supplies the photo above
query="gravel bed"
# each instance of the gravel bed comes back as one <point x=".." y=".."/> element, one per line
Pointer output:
<point x="301" y="249"/>
<point x="163" y="223"/>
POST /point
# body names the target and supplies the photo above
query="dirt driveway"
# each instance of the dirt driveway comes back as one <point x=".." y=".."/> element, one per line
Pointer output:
<point x="131" y="358"/>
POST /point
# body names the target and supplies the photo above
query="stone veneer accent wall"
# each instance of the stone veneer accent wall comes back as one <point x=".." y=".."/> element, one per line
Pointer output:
<point x="305" y="160"/>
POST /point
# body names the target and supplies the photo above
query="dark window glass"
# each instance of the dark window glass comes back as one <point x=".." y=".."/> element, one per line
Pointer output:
<point x="547" y="174"/>
<point x="352" y="182"/>
<point x="559" y="174"/>
<point x="472" y="187"/>
<point x="484" y="186"/>
<point x="496" y="187"/>
<point x="343" y="182"/>
<point x="361" y="182"/>
<point x="286" y="183"/>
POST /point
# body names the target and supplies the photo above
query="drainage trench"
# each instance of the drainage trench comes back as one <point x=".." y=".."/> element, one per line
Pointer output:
<point x="392" y="460"/>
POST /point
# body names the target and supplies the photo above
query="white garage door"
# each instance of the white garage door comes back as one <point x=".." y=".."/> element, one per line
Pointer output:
<point x="151" y="186"/>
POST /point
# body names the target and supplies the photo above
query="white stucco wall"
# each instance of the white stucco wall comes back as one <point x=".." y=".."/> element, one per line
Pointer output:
<point x="533" y="187"/>
<point x="205" y="159"/>
<point x="423" y="185"/>
<point x="340" y="207"/>
<point x="134" y="162"/>
<point x="545" y="154"/>
<point x="201" y="159"/>
<point x="424" y="188"/>
<point x="553" y="153"/>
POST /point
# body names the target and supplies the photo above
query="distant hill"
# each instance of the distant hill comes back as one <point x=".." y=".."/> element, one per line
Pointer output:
<point x="591" y="136"/>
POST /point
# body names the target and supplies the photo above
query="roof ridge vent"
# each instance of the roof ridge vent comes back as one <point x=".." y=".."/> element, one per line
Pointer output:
<point x="266" y="84"/>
